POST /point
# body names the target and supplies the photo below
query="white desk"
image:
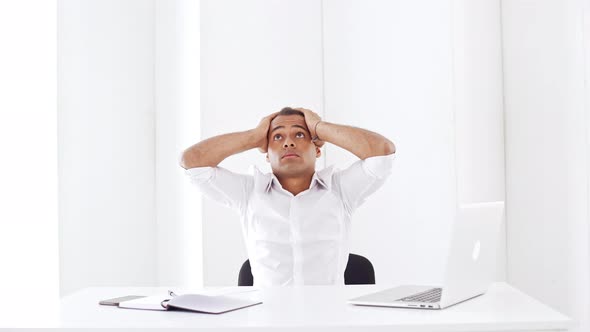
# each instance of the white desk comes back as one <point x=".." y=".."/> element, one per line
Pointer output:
<point x="502" y="308"/>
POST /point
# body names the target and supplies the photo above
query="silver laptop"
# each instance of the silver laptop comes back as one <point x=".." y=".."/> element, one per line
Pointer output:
<point x="470" y="263"/>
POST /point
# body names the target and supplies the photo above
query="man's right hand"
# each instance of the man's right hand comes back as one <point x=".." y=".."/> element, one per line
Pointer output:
<point x="262" y="132"/>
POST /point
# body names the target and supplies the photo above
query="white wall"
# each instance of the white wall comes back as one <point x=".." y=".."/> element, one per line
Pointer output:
<point x="106" y="143"/>
<point x="28" y="177"/>
<point x="547" y="170"/>
<point x="409" y="70"/>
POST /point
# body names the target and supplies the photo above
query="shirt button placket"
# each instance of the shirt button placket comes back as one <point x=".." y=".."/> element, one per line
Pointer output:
<point x="296" y="242"/>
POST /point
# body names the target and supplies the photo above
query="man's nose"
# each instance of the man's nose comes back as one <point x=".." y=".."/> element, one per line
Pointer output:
<point x="289" y="143"/>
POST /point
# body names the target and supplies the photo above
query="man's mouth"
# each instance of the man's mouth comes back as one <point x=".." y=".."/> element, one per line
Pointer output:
<point x="290" y="155"/>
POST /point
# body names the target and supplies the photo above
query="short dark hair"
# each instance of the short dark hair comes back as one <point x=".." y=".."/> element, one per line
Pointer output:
<point x="290" y="111"/>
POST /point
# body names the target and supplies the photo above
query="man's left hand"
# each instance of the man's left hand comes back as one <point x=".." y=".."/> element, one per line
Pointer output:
<point x="311" y="120"/>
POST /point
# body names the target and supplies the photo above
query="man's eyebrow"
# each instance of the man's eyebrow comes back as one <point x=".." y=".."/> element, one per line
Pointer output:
<point x="277" y="127"/>
<point x="300" y="127"/>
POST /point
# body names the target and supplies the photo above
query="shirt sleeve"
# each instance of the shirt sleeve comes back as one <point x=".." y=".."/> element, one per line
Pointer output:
<point x="361" y="179"/>
<point x="223" y="186"/>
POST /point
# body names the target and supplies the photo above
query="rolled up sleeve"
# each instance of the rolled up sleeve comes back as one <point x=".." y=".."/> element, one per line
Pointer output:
<point x="379" y="167"/>
<point x="223" y="186"/>
<point x="363" y="178"/>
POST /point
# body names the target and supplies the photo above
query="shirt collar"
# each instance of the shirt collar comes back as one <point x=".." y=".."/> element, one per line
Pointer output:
<point x="322" y="178"/>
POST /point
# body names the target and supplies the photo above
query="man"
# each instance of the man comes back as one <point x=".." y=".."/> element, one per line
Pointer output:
<point x="295" y="221"/>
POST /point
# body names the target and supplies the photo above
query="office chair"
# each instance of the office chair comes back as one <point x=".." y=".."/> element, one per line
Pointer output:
<point x="359" y="271"/>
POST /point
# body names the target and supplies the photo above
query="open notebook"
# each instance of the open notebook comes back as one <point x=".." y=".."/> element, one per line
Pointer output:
<point x="212" y="302"/>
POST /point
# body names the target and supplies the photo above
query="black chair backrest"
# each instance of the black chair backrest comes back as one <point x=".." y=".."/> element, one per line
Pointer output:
<point x="359" y="271"/>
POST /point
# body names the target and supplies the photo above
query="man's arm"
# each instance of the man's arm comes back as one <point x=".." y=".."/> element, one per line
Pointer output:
<point x="360" y="142"/>
<point x="212" y="151"/>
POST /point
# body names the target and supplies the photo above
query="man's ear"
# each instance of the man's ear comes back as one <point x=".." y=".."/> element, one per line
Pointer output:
<point x="318" y="152"/>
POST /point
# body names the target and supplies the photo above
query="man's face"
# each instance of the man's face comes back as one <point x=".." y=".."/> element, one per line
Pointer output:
<point x="290" y="149"/>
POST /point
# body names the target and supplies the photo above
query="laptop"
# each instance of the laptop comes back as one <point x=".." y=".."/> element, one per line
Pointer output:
<point x="470" y="264"/>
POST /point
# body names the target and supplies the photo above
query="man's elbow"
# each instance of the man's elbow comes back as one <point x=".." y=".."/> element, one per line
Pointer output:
<point x="189" y="159"/>
<point x="383" y="147"/>
<point x="388" y="147"/>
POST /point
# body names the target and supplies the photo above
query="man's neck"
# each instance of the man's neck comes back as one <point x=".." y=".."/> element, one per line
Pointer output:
<point x="295" y="184"/>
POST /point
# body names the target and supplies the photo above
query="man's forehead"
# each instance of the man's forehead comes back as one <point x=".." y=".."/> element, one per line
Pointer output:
<point x="288" y="121"/>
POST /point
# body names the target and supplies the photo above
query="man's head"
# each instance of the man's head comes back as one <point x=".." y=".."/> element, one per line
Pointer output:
<point x="291" y="152"/>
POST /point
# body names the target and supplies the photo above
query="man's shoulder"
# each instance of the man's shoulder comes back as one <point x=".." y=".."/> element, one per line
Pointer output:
<point x="257" y="171"/>
<point x="376" y="166"/>
<point x="262" y="178"/>
<point x="327" y="172"/>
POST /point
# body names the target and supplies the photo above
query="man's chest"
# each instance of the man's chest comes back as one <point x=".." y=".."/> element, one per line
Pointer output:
<point x="305" y="217"/>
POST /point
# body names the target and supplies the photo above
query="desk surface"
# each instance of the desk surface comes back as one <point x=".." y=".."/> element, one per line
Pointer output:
<point x="502" y="308"/>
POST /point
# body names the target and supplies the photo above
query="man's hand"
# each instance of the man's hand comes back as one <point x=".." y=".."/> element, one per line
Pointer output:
<point x="311" y="120"/>
<point x="262" y="132"/>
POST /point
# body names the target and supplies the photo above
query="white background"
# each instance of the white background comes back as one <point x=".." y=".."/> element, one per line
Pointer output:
<point x="129" y="103"/>
<point x="485" y="100"/>
<point x="28" y="161"/>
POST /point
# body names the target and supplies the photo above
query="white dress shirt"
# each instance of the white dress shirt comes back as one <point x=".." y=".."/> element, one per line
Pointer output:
<point x="302" y="239"/>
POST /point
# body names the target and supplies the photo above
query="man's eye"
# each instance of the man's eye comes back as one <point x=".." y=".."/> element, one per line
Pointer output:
<point x="300" y="135"/>
<point x="277" y="137"/>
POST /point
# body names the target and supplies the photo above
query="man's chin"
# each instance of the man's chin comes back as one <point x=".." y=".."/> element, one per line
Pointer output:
<point x="291" y="161"/>
<point x="292" y="170"/>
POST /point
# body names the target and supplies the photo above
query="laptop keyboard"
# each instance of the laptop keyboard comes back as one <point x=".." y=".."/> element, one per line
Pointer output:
<point x="429" y="296"/>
